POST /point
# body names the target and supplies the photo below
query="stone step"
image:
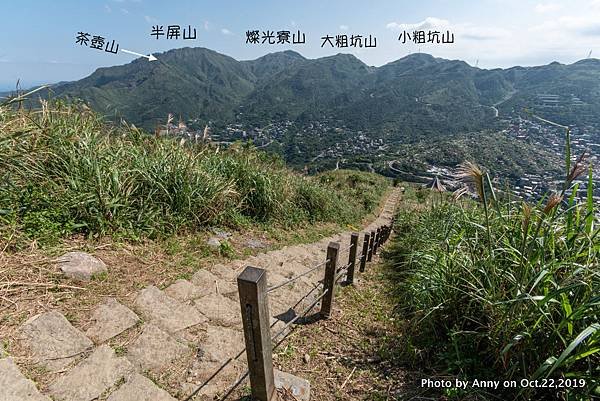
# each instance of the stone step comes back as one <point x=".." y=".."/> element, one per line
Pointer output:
<point x="183" y="290"/>
<point x="92" y="377"/>
<point x="14" y="386"/>
<point x="53" y="341"/>
<point x="166" y="312"/>
<point x="140" y="388"/>
<point x="220" y="344"/>
<point x="155" y="349"/>
<point x="109" y="320"/>
<point x="220" y="310"/>
<point x="226" y="272"/>
<point x="210" y="283"/>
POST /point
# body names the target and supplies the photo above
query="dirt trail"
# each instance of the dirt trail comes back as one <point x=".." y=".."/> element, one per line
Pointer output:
<point x="166" y="343"/>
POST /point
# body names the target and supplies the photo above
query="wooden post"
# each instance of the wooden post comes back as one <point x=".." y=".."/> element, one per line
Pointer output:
<point x="252" y="287"/>
<point x="352" y="258"/>
<point x="371" y="241"/>
<point x="377" y="239"/>
<point x="329" y="281"/>
<point x="365" y="251"/>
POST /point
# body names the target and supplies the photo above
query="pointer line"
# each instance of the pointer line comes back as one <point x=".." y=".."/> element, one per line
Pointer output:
<point x="149" y="57"/>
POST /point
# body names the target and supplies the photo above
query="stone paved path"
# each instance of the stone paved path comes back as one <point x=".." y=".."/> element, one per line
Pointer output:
<point x="167" y="342"/>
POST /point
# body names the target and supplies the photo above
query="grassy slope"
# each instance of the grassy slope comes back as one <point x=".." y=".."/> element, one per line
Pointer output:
<point x="517" y="301"/>
<point x="64" y="172"/>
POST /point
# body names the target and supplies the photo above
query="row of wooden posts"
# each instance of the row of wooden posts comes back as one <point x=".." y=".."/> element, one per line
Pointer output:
<point x="253" y="291"/>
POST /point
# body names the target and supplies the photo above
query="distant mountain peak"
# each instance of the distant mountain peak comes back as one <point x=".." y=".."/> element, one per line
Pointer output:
<point x="204" y="85"/>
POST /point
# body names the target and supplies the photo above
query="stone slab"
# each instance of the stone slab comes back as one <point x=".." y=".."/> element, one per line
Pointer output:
<point x="53" y="341"/>
<point x="209" y="283"/>
<point x="183" y="290"/>
<point x="219" y="309"/>
<point x="14" y="386"/>
<point x="109" y="320"/>
<point x="297" y="386"/>
<point x="155" y="349"/>
<point x="227" y="272"/>
<point x="92" y="377"/>
<point x="220" y="344"/>
<point x="140" y="388"/>
<point x="166" y="312"/>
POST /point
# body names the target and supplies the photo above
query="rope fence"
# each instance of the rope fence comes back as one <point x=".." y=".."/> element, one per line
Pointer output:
<point x="253" y="294"/>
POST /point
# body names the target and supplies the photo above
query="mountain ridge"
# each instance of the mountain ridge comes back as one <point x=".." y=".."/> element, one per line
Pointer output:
<point x="417" y="94"/>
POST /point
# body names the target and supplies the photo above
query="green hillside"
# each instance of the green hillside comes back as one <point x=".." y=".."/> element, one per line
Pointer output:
<point x="321" y="111"/>
<point x="419" y="94"/>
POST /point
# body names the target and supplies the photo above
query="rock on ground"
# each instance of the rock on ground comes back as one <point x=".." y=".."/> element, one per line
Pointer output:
<point x="16" y="387"/>
<point x="213" y="242"/>
<point x="166" y="312"/>
<point x="296" y="386"/>
<point x="109" y="320"/>
<point x="80" y="265"/>
<point x="255" y="244"/>
<point x="91" y="377"/>
<point x="139" y="388"/>
<point x="54" y="342"/>
<point x="155" y="349"/>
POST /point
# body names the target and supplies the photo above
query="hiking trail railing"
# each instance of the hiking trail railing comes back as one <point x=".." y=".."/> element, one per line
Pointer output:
<point x="254" y="305"/>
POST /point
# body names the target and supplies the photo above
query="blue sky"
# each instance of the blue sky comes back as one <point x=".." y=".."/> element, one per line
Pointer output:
<point x="38" y="42"/>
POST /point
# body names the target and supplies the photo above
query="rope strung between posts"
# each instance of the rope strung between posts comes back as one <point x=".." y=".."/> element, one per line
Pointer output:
<point x="241" y="379"/>
<point x="339" y="272"/>
<point x="295" y="319"/>
<point x="228" y="361"/>
<point x="346" y="248"/>
<point x="344" y="267"/>
<point x="277" y="286"/>
<point x="316" y="287"/>
<point x="234" y="385"/>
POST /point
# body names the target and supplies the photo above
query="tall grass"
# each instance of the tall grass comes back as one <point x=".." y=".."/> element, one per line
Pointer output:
<point x="63" y="171"/>
<point x="502" y="289"/>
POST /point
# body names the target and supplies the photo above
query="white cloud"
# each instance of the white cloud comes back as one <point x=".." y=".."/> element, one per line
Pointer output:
<point x="427" y="23"/>
<point x="465" y="30"/>
<point x="584" y="26"/>
<point x="150" y="20"/>
<point x="473" y="32"/>
<point x="107" y="8"/>
<point x="226" y="31"/>
<point x="206" y="25"/>
<point x="547" y="7"/>
<point x="344" y="27"/>
<point x="125" y="11"/>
